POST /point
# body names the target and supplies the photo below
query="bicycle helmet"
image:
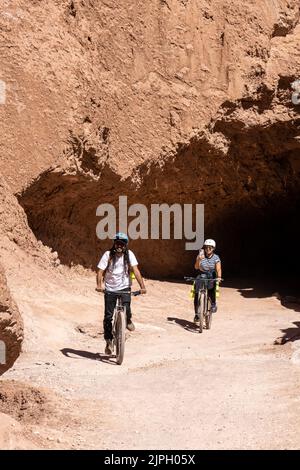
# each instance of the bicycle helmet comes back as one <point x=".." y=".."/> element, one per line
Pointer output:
<point x="122" y="237"/>
<point x="210" y="242"/>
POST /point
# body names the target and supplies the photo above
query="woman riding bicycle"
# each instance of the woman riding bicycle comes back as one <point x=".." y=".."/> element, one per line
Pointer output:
<point x="209" y="264"/>
<point x="114" y="270"/>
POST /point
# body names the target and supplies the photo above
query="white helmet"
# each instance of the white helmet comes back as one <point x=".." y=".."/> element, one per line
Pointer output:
<point x="210" y="242"/>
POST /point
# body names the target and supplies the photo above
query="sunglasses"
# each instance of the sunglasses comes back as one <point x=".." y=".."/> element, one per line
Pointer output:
<point x="208" y="247"/>
<point x="119" y="242"/>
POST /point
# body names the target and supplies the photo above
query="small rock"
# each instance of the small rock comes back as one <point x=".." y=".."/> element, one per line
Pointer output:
<point x="204" y="68"/>
<point x="174" y="118"/>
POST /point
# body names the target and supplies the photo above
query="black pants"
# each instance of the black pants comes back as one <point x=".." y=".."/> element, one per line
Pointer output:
<point x="211" y="291"/>
<point x="110" y="301"/>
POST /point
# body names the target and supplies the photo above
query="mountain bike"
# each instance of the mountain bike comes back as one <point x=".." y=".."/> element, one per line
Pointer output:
<point x="204" y="304"/>
<point x="119" y="324"/>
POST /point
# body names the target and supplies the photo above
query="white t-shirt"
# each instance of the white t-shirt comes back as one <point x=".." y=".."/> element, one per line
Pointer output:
<point x="115" y="276"/>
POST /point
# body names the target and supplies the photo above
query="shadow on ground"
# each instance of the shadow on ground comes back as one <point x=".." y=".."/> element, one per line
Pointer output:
<point x="76" y="354"/>
<point x="285" y="290"/>
<point x="289" y="334"/>
<point x="185" y="324"/>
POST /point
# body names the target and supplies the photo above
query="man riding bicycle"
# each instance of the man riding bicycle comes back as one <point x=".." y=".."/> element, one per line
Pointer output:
<point x="209" y="264"/>
<point x="114" y="275"/>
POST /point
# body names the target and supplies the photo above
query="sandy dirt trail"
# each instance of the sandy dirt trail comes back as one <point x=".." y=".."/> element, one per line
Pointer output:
<point x="229" y="387"/>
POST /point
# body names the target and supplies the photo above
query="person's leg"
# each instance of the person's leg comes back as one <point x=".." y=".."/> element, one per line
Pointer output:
<point x="212" y="297"/>
<point x="127" y="304"/>
<point x="126" y="300"/>
<point x="109" y="305"/>
<point x="196" y="298"/>
<point x="196" y="302"/>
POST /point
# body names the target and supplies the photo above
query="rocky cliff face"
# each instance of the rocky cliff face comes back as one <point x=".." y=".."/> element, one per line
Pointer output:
<point x="133" y="80"/>
<point x="180" y="101"/>
<point x="14" y="232"/>
<point x="177" y="101"/>
<point x="173" y="101"/>
<point x="11" y="327"/>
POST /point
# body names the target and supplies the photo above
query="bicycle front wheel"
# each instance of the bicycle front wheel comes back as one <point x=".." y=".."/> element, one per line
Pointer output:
<point x="120" y="335"/>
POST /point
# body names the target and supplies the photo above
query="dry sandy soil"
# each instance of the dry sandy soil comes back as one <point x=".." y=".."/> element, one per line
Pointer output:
<point x="229" y="387"/>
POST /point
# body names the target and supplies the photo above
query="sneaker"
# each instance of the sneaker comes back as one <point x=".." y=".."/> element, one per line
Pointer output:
<point x="130" y="326"/>
<point x="196" y="319"/>
<point x="108" y="349"/>
<point x="214" y="308"/>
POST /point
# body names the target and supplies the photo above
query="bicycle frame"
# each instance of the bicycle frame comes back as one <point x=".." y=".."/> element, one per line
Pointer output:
<point x="119" y="324"/>
<point x="203" y="312"/>
<point x="119" y="306"/>
<point x="204" y="305"/>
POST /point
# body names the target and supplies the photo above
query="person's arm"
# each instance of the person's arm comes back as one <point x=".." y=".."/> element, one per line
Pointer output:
<point x="100" y="280"/>
<point x="219" y="269"/>
<point x="199" y="258"/>
<point x="139" y="279"/>
<point x="101" y="267"/>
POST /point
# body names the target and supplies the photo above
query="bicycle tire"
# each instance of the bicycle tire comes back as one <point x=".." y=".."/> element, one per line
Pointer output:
<point x="201" y="309"/>
<point x="120" y="335"/>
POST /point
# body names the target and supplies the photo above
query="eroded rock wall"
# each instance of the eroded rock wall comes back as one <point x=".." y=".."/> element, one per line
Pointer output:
<point x="163" y="101"/>
<point x="15" y="234"/>
<point x="133" y="79"/>
<point x="11" y="327"/>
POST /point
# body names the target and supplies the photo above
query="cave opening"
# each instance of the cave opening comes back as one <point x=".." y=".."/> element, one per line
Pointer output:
<point x="250" y="192"/>
<point x="256" y="231"/>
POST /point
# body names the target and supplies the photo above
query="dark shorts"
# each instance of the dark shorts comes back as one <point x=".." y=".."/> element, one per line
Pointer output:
<point x="201" y="280"/>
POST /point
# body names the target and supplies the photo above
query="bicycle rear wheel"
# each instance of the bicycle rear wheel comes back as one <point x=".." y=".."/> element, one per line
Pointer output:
<point x="120" y="335"/>
<point x="201" y="309"/>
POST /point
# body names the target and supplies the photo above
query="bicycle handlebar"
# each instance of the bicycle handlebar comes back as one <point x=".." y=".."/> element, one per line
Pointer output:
<point x="187" y="278"/>
<point x="134" y="293"/>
